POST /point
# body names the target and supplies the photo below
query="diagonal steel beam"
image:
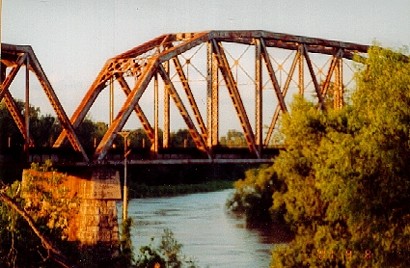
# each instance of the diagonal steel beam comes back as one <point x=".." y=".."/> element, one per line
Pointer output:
<point x="284" y="92"/>
<point x="190" y="96"/>
<point x="197" y="138"/>
<point x="273" y="78"/>
<point x="235" y="96"/>
<point x="313" y="76"/>
<point x="138" y="110"/>
<point x="85" y="105"/>
<point x="125" y="110"/>
<point x="112" y="66"/>
<point x="332" y="67"/>
<point x="10" y="77"/>
<point x="55" y="103"/>
<point x="17" y="116"/>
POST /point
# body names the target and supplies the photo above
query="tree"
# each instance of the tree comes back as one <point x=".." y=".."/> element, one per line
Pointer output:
<point x="43" y="128"/>
<point x="33" y="220"/>
<point x="348" y="174"/>
<point x="253" y="196"/>
<point x="234" y="138"/>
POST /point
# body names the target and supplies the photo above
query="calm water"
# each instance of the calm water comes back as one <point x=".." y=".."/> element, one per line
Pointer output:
<point x="209" y="234"/>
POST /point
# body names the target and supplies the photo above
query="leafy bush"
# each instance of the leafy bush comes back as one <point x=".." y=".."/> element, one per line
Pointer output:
<point x="165" y="254"/>
<point x="253" y="196"/>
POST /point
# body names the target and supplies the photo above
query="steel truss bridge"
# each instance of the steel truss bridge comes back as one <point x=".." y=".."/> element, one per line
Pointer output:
<point x="209" y="79"/>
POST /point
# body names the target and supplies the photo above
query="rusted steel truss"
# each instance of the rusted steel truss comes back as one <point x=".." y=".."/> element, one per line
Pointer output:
<point x="14" y="57"/>
<point x="155" y="58"/>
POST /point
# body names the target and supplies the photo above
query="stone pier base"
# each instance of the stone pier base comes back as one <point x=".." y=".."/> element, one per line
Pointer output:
<point x="92" y="220"/>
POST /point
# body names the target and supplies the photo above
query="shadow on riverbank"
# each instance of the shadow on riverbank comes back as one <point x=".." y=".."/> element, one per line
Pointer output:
<point x="167" y="190"/>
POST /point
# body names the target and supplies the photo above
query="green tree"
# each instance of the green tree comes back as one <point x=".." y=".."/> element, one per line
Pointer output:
<point x="33" y="221"/>
<point x="253" y="196"/>
<point x="347" y="174"/>
<point x="233" y="138"/>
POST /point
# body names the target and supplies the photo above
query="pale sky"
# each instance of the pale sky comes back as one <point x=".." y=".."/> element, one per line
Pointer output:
<point x="74" y="38"/>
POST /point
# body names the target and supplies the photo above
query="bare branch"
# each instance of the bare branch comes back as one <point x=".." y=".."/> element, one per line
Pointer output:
<point x="54" y="253"/>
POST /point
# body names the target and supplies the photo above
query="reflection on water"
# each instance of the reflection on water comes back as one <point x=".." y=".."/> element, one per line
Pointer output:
<point x="214" y="237"/>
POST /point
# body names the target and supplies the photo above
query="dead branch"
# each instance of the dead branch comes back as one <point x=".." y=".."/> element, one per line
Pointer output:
<point x="54" y="253"/>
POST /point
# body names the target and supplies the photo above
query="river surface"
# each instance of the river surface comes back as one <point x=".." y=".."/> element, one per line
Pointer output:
<point x="209" y="234"/>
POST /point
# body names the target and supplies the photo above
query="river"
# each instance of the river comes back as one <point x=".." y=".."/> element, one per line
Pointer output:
<point x="208" y="233"/>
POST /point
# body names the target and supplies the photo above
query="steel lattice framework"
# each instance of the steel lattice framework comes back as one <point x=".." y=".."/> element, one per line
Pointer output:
<point x="169" y="67"/>
<point x="159" y="56"/>
<point x="13" y="57"/>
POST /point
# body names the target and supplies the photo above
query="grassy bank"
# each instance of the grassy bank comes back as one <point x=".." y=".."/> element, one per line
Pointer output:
<point x="143" y="190"/>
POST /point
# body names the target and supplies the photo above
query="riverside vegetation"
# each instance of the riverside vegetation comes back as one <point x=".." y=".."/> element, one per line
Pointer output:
<point x="343" y="184"/>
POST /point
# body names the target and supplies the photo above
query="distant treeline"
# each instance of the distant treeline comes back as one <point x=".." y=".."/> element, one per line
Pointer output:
<point x="44" y="129"/>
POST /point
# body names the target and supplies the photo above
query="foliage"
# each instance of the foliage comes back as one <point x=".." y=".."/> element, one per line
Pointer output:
<point x="253" y="195"/>
<point x="233" y="138"/>
<point x="347" y="174"/>
<point x="43" y="128"/>
<point x="127" y="250"/>
<point x="166" y="254"/>
<point x="46" y="202"/>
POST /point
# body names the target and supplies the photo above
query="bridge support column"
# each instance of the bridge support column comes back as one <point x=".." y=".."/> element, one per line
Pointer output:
<point x="92" y="213"/>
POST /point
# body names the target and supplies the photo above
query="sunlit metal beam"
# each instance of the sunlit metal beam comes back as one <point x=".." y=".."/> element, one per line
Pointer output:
<point x="235" y="96"/>
<point x="138" y="110"/>
<point x="197" y="138"/>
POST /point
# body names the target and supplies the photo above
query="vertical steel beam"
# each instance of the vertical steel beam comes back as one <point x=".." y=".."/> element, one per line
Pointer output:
<point x="301" y="81"/>
<point x="27" y="107"/>
<point x="235" y="96"/>
<point x="258" y="95"/>
<point x="156" y="115"/>
<point x="212" y="97"/>
<point x="338" y="90"/>
<point x="167" y="112"/>
<point x="197" y="138"/>
<point x="275" y="117"/>
<point x="8" y="98"/>
<point x="111" y="99"/>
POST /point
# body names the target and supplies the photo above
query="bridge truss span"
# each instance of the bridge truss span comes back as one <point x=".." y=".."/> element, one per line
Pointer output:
<point x="212" y="79"/>
<point x="13" y="58"/>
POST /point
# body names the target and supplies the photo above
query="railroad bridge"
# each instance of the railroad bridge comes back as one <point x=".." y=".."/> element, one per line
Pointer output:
<point x="208" y="80"/>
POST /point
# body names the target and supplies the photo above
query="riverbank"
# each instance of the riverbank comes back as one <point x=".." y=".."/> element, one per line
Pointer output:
<point x="167" y="190"/>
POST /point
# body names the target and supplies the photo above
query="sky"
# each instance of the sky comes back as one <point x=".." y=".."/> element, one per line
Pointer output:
<point x="74" y="38"/>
